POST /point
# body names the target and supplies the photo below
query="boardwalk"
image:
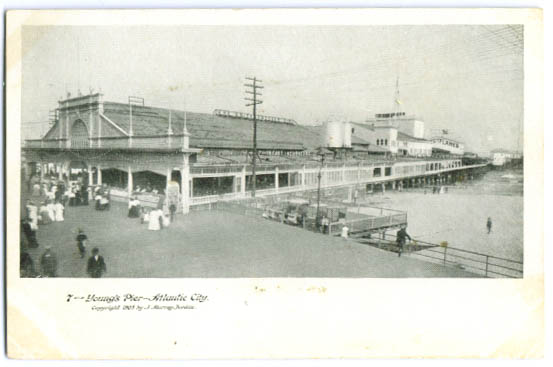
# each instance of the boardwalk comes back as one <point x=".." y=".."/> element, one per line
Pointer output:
<point x="217" y="244"/>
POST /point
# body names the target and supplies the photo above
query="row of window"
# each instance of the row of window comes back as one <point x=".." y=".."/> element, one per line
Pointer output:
<point x="311" y="178"/>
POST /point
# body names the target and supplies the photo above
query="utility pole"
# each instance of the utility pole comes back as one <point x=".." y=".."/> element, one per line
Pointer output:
<point x="254" y="101"/>
<point x="319" y="177"/>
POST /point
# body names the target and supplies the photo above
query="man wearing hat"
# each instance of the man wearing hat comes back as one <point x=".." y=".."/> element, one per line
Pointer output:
<point x="48" y="263"/>
<point x="401" y="238"/>
<point x="81" y="242"/>
<point x="96" y="265"/>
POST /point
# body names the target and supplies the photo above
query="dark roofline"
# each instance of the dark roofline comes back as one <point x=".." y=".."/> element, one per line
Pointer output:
<point x="80" y="97"/>
<point x="111" y="149"/>
<point x="399" y="133"/>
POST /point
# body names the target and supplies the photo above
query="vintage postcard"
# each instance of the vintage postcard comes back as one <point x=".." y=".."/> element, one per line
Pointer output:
<point x="331" y="183"/>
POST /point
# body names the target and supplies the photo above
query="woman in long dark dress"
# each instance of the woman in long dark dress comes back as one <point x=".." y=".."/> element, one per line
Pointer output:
<point x="134" y="208"/>
<point x="30" y="234"/>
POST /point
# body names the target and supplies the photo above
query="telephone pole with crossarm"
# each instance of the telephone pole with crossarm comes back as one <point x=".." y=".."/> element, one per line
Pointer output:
<point x="253" y="85"/>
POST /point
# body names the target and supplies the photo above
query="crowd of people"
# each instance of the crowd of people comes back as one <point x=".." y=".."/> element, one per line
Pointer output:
<point x="102" y="197"/>
<point x="148" y="188"/>
<point x="438" y="190"/>
<point x="72" y="193"/>
<point x="47" y="204"/>
<point x="156" y="218"/>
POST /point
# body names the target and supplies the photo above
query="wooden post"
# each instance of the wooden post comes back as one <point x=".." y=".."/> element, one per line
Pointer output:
<point x="276" y="179"/>
<point x="99" y="169"/>
<point x="59" y="166"/>
<point x="185" y="187"/>
<point x="169" y="171"/>
<point x="243" y="181"/>
<point x="130" y="184"/>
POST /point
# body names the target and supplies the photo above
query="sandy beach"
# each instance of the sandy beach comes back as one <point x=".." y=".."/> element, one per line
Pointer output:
<point x="459" y="216"/>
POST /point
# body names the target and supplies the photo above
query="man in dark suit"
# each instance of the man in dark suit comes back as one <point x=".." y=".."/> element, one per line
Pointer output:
<point x="96" y="265"/>
<point x="401" y="238"/>
<point x="48" y="264"/>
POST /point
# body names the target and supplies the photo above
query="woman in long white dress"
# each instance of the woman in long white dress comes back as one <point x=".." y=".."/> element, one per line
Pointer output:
<point x="51" y="210"/>
<point x="32" y="213"/>
<point x="44" y="214"/>
<point x="153" y="223"/>
<point x="36" y="189"/>
<point x="166" y="220"/>
<point x="59" y="211"/>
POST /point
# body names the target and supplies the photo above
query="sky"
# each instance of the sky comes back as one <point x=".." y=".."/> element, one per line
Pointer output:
<point x="467" y="79"/>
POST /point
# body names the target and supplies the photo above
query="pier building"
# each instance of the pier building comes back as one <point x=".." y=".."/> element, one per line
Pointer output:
<point x="207" y="158"/>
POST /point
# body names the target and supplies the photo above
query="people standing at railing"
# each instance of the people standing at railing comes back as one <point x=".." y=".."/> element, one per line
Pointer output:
<point x="401" y="238"/>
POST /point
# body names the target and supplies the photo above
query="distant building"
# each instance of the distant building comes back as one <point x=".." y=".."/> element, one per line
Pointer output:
<point x="407" y="124"/>
<point x="381" y="139"/>
<point x="200" y="158"/>
<point x="396" y="134"/>
<point x="501" y="157"/>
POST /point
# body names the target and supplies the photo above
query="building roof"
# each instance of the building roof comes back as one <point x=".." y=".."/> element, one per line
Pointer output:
<point x="501" y="150"/>
<point x="405" y="137"/>
<point x="211" y="131"/>
<point x="206" y="130"/>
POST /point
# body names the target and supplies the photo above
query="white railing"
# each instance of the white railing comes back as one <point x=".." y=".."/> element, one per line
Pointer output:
<point x="324" y="185"/>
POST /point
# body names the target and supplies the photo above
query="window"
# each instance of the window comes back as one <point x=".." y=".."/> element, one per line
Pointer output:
<point x="79" y="135"/>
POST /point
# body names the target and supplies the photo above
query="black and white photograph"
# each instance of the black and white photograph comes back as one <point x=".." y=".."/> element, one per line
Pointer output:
<point x="271" y="151"/>
<point x="180" y="165"/>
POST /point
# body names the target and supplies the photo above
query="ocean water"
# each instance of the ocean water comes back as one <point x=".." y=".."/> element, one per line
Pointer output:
<point x="459" y="216"/>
